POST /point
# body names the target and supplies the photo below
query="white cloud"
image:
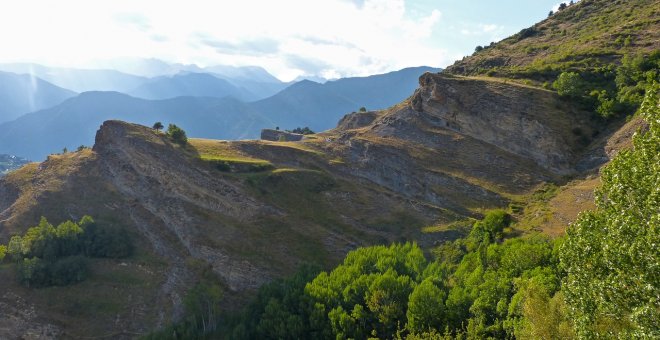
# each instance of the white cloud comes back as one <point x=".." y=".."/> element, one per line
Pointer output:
<point x="338" y="37"/>
<point x="488" y="28"/>
<point x="481" y="29"/>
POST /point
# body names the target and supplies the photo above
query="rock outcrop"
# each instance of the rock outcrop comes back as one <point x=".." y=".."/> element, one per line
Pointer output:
<point x="526" y="121"/>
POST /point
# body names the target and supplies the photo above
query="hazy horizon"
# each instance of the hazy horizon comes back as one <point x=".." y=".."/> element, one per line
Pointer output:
<point x="289" y="39"/>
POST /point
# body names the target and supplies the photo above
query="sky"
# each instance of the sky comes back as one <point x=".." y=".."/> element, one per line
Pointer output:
<point x="289" y="38"/>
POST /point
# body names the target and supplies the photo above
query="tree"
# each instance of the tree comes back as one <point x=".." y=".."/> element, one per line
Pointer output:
<point x="569" y="84"/>
<point x="177" y="135"/>
<point x="550" y="13"/>
<point x="562" y="6"/>
<point x="478" y="48"/>
<point x="363" y="109"/>
<point x="611" y="254"/>
<point x="158" y="126"/>
<point x="426" y="307"/>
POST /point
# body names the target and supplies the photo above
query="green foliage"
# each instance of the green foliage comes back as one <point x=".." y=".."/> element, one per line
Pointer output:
<point x="426" y="307"/>
<point x="544" y="317"/>
<point x="104" y="240"/>
<point x="202" y="312"/>
<point x="35" y="272"/>
<point x="611" y="255"/>
<point x="158" y="126"/>
<point x="304" y="131"/>
<point x="634" y="75"/>
<point x="569" y="84"/>
<point x="177" y="135"/>
<point x="53" y="256"/>
<point x="363" y="109"/>
<point x="3" y="252"/>
<point x="610" y="91"/>
<point x="281" y="310"/>
<point x="478" y="287"/>
<point x="490" y="227"/>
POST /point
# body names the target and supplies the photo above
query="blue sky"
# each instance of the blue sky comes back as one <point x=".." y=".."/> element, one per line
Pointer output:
<point x="290" y="38"/>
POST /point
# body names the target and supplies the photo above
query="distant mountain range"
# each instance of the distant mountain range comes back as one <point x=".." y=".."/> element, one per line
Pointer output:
<point x="74" y="122"/>
<point x="78" y="80"/>
<point x="190" y="84"/>
<point x="319" y="106"/>
<point x="247" y="83"/>
<point x="20" y="94"/>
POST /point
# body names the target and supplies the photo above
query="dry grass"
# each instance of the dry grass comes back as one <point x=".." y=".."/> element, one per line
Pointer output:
<point x="551" y="209"/>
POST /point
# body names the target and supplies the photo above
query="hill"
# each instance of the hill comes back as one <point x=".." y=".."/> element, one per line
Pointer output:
<point x="21" y="94"/>
<point x="586" y="36"/>
<point x="414" y="172"/>
<point x="223" y="217"/>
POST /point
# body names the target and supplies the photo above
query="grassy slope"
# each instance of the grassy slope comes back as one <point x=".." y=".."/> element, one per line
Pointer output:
<point x="587" y="35"/>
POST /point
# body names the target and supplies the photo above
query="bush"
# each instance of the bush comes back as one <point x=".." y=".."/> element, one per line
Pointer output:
<point x="569" y="84"/>
<point x="304" y="131"/>
<point x="177" y="135"/>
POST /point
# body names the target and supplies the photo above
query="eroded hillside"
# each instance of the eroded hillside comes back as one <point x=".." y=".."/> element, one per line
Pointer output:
<point x="251" y="211"/>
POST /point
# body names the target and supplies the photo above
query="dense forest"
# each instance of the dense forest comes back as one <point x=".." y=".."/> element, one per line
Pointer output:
<point x="600" y="280"/>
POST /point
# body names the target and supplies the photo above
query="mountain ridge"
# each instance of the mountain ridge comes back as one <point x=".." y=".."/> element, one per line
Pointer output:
<point x="78" y="118"/>
<point x="21" y="94"/>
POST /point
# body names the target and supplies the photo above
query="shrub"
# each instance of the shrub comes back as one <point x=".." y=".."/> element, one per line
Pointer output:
<point x="569" y="84"/>
<point x="177" y="135"/>
<point x="304" y="131"/>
